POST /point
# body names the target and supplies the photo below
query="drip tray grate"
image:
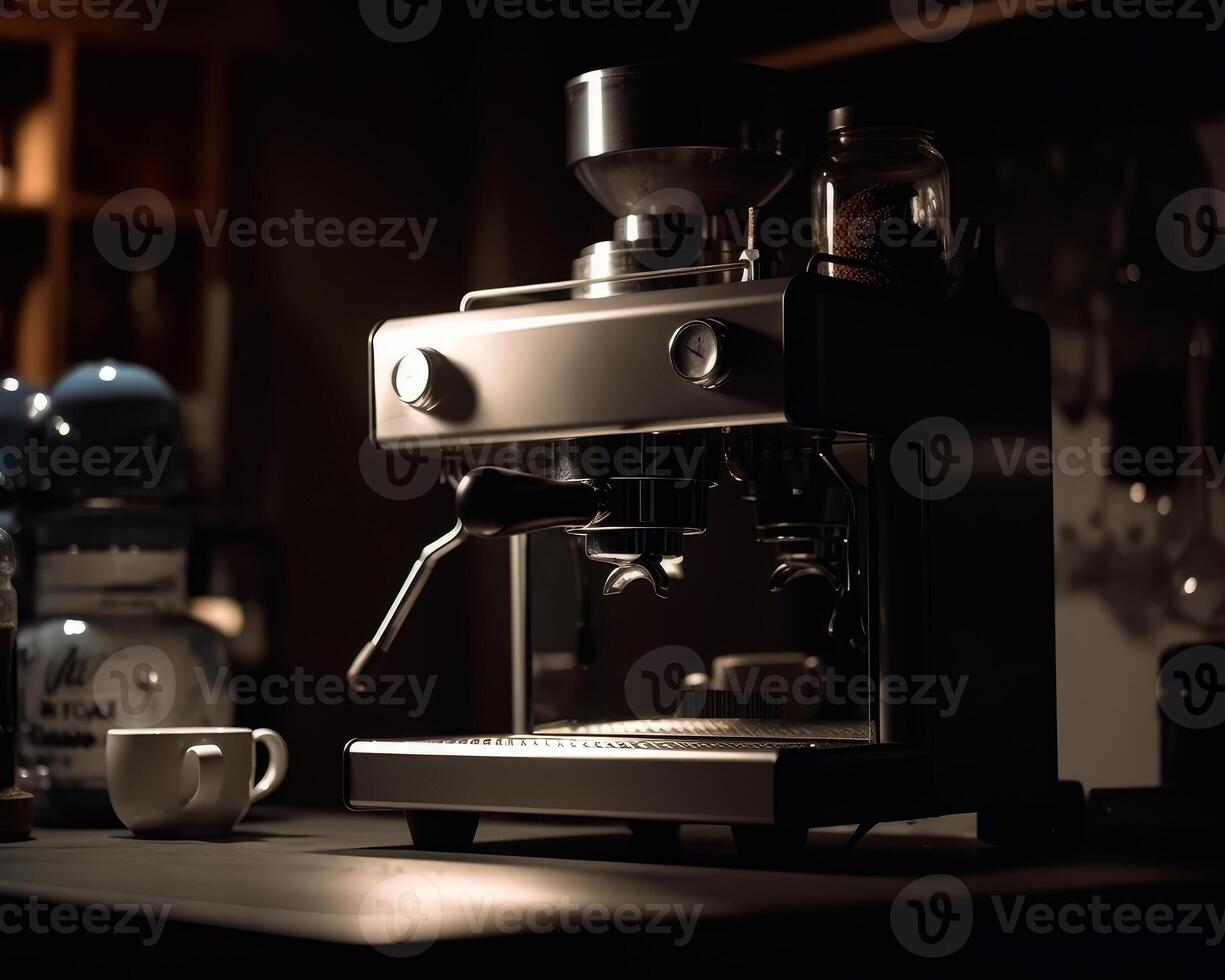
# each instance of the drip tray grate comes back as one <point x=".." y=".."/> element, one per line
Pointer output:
<point x="720" y="728"/>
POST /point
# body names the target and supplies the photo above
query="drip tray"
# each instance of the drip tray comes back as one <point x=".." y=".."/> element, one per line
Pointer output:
<point x="700" y="771"/>
<point x="720" y="728"/>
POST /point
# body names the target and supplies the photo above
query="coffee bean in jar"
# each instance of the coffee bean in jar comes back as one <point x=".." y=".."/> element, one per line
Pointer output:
<point x="880" y="202"/>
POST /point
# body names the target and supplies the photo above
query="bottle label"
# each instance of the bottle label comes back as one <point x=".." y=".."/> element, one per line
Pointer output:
<point x="81" y="677"/>
<point x="106" y="582"/>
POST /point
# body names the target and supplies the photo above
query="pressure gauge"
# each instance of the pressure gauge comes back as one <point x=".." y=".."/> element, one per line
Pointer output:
<point x="699" y="351"/>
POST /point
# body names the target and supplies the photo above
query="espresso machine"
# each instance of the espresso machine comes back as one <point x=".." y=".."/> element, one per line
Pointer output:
<point x="720" y="479"/>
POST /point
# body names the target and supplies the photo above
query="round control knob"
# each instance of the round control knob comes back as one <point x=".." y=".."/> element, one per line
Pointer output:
<point x="415" y="378"/>
<point x="700" y="352"/>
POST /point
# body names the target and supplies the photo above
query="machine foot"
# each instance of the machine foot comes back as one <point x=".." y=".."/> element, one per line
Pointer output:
<point x="442" y="830"/>
<point x="770" y="842"/>
<point x="656" y="836"/>
<point x="1053" y="823"/>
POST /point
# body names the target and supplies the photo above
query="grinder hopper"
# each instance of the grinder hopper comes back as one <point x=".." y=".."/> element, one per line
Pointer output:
<point x="677" y="154"/>
<point x="719" y="133"/>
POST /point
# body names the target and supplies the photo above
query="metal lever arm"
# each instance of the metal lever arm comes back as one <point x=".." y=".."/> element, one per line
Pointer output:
<point x="495" y="503"/>
<point x="746" y="266"/>
<point x="407" y="597"/>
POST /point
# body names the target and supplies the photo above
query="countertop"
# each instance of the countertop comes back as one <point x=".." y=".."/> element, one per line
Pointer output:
<point x="324" y="884"/>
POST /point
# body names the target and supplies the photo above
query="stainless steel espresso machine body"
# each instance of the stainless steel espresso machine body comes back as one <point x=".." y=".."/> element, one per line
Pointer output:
<point x="836" y="471"/>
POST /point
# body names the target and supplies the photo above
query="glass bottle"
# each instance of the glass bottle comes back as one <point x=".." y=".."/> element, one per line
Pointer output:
<point x="110" y="643"/>
<point x="16" y="806"/>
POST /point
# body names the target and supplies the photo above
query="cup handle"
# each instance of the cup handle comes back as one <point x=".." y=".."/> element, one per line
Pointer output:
<point x="210" y="770"/>
<point x="278" y="762"/>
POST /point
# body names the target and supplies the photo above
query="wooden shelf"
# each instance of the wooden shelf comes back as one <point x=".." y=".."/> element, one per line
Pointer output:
<point x="172" y="140"/>
<point x="880" y="37"/>
<point x="84" y="206"/>
<point x="90" y="109"/>
<point x="18" y="209"/>
<point x="118" y="108"/>
<point x="191" y="25"/>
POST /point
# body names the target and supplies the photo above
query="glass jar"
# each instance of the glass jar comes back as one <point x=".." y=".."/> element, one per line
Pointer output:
<point x="881" y="203"/>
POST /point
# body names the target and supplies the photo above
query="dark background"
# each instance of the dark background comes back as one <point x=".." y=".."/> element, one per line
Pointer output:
<point x="1071" y="135"/>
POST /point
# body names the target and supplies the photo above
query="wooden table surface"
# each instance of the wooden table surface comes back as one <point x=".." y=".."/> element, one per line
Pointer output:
<point x="332" y="878"/>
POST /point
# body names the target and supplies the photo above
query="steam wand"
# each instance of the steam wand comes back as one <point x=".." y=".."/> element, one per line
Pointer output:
<point x="491" y="503"/>
<point x="358" y="674"/>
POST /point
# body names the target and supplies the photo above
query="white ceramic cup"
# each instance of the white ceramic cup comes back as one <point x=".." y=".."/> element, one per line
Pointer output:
<point x="189" y="782"/>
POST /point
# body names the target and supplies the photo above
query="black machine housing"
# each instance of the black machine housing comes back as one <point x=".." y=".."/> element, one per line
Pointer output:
<point x="950" y="564"/>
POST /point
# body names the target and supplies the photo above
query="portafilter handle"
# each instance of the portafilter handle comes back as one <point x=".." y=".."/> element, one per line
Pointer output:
<point x="493" y="503"/>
